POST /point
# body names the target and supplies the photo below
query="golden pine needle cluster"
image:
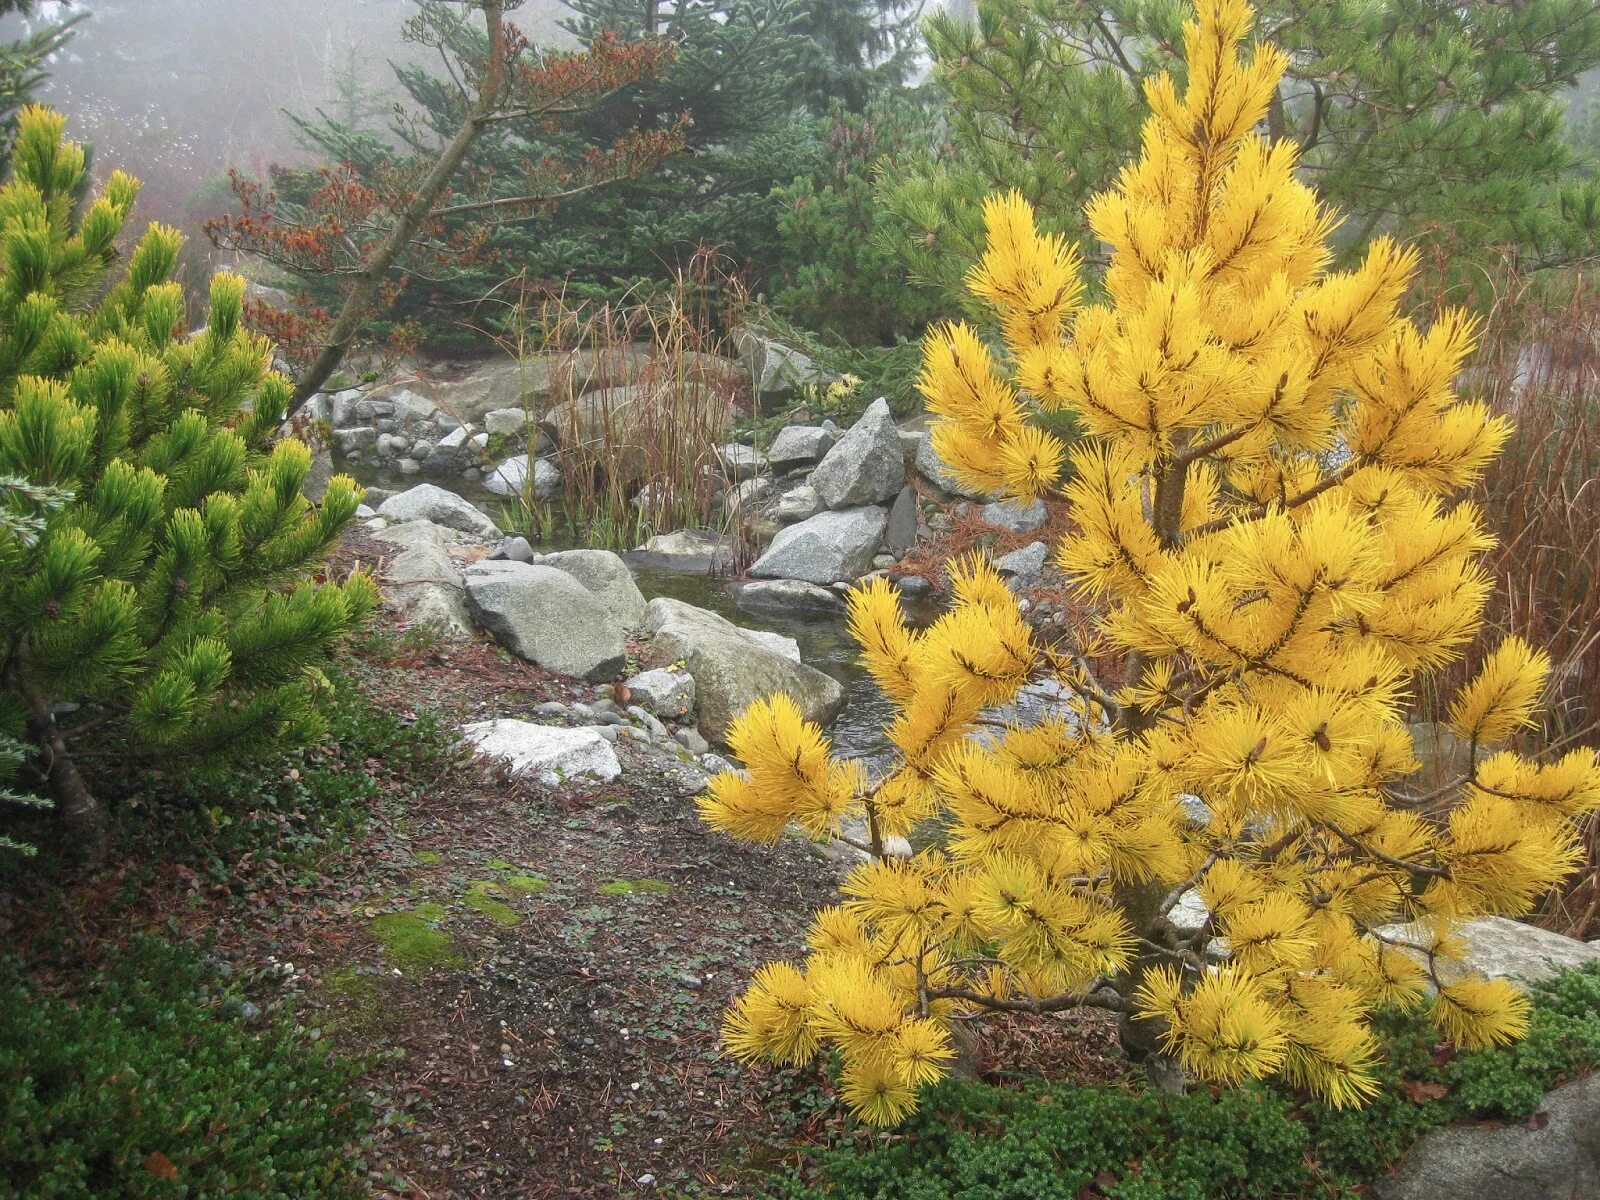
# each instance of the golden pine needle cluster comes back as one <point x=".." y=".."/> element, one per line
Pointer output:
<point x="1267" y="525"/>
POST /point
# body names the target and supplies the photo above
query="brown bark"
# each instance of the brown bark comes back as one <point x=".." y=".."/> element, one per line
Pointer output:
<point x="81" y="810"/>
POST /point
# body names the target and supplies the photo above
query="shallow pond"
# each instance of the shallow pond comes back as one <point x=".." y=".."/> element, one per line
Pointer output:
<point x="824" y="641"/>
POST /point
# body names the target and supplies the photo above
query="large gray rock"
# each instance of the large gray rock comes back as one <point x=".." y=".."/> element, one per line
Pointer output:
<point x="510" y="478"/>
<point x="867" y="465"/>
<point x="787" y="596"/>
<point x="731" y="669"/>
<point x="1555" y="1157"/>
<point x="547" y="617"/>
<point x="424" y="584"/>
<point x="608" y="577"/>
<point x="828" y="548"/>
<point x="426" y="502"/>
<point x="800" y="446"/>
<point x="551" y="753"/>
<point x="1498" y="947"/>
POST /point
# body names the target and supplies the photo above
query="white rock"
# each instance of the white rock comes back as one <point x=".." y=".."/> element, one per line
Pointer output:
<point x="1500" y="948"/>
<point x="511" y="477"/>
<point x="550" y="752"/>
<point x="427" y="502"/>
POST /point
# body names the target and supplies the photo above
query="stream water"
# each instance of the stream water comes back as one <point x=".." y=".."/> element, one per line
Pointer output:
<point x="824" y="641"/>
<point x="825" y="644"/>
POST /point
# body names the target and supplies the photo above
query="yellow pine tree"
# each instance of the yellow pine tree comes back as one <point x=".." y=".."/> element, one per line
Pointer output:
<point x="1268" y="534"/>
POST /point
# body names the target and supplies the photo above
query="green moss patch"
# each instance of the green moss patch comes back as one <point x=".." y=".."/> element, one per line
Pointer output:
<point x="486" y="897"/>
<point x="634" y="887"/>
<point x="412" y="940"/>
<point x="528" y="885"/>
<point x="427" y="857"/>
<point x="500" y="864"/>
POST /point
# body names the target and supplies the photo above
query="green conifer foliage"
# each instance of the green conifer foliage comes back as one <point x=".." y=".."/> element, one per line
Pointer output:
<point x="1438" y="121"/>
<point x="165" y="603"/>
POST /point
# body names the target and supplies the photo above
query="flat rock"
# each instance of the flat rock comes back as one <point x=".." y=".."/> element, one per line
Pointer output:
<point x="552" y="753"/>
<point x="828" y="548"/>
<point x="1013" y="517"/>
<point x="866" y="465"/>
<point x="731" y="669"/>
<point x="688" y="550"/>
<point x="547" y="617"/>
<point x="787" y="596"/>
<point x="800" y="446"/>
<point x="1554" y="1158"/>
<point x="664" y="692"/>
<point x="428" y="502"/>
<point x="1498" y="947"/>
<point x="608" y="578"/>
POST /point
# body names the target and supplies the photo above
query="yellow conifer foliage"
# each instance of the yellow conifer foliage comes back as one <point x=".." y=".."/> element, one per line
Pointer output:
<point x="1267" y="527"/>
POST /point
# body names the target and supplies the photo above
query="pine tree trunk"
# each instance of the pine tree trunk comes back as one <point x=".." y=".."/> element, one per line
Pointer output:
<point x="1141" y="1036"/>
<point x="358" y="306"/>
<point x="81" y="811"/>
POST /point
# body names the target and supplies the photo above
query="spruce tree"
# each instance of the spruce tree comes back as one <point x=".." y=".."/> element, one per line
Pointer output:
<point x="1270" y="549"/>
<point x="854" y="50"/>
<point x="163" y="609"/>
<point x="1430" y="120"/>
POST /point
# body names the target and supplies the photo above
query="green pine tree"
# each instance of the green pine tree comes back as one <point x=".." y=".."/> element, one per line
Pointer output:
<point x="22" y="61"/>
<point x="164" y="609"/>
<point x="839" y="273"/>
<point x="1435" y="120"/>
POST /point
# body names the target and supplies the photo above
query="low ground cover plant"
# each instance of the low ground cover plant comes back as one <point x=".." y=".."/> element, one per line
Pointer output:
<point x="157" y="1081"/>
<point x="1031" y="1140"/>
